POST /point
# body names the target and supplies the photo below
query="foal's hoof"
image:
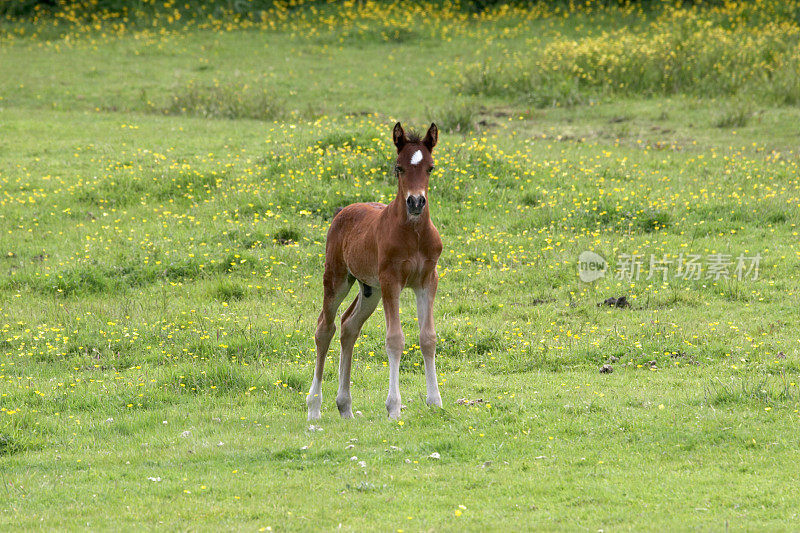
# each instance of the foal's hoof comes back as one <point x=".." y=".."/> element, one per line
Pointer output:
<point x="314" y="403"/>
<point x="345" y="407"/>
<point x="394" y="407"/>
<point x="435" y="401"/>
<point x="345" y="411"/>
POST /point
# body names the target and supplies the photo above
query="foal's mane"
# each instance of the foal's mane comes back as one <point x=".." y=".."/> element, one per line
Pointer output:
<point x="412" y="137"/>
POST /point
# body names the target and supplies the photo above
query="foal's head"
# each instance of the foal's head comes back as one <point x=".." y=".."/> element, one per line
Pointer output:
<point x="414" y="166"/>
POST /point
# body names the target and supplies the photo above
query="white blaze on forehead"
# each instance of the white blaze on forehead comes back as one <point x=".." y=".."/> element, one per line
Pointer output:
<point x="416" y="158"/>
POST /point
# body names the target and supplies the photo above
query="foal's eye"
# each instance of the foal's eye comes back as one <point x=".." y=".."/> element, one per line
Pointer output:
<point x="398" y="169"/>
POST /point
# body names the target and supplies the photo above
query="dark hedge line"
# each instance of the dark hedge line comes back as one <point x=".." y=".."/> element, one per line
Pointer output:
<point x="22" y="9"/>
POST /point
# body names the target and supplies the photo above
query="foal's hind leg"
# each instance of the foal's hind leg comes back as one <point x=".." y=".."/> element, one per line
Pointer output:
<point x="336" y="287"/>
<point x="352" y="321"/>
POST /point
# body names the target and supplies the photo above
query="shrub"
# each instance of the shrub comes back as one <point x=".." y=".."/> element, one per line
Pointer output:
<point x="679" y="53"/>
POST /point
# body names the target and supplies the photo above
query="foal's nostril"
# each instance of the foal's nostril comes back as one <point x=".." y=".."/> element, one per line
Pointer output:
<point x="415" y="204"/>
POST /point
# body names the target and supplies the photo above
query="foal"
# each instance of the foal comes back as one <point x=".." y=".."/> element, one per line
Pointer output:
<point x="385" y="248"/>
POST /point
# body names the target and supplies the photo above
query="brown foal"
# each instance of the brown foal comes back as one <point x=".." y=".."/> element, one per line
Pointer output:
<point x="385" y="248"/>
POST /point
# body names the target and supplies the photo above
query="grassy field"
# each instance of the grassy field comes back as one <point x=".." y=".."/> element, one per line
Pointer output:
<point x="166" y="183"/>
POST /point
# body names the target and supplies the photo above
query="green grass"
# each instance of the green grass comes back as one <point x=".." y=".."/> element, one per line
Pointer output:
<point x="164" y="201"/>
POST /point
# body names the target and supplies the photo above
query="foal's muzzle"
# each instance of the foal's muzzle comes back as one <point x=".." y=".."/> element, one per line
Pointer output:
<point x="415" y="204"/>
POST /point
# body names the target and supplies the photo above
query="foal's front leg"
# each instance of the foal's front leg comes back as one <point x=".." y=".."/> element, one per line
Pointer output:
<point x="394" y="343"/>
<point x="427" y="336"/>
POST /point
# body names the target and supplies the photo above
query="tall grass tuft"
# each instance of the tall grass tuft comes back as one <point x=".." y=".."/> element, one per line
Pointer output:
<point x="525" y="81"/>
<point x="455" y="117"/>
<point x="224" y="102"/>
<point x="226" y="291"/>
<point x="734" y="115"/>
<point x="8" y="445"/>
<point x="764" y="390"/>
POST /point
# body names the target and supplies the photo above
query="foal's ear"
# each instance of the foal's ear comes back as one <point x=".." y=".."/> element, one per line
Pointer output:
<point x="399" y="137"/>
<point x="431" y="138"/>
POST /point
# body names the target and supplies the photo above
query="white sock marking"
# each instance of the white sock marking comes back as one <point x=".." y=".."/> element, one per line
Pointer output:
<point x="416" y="158"/>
